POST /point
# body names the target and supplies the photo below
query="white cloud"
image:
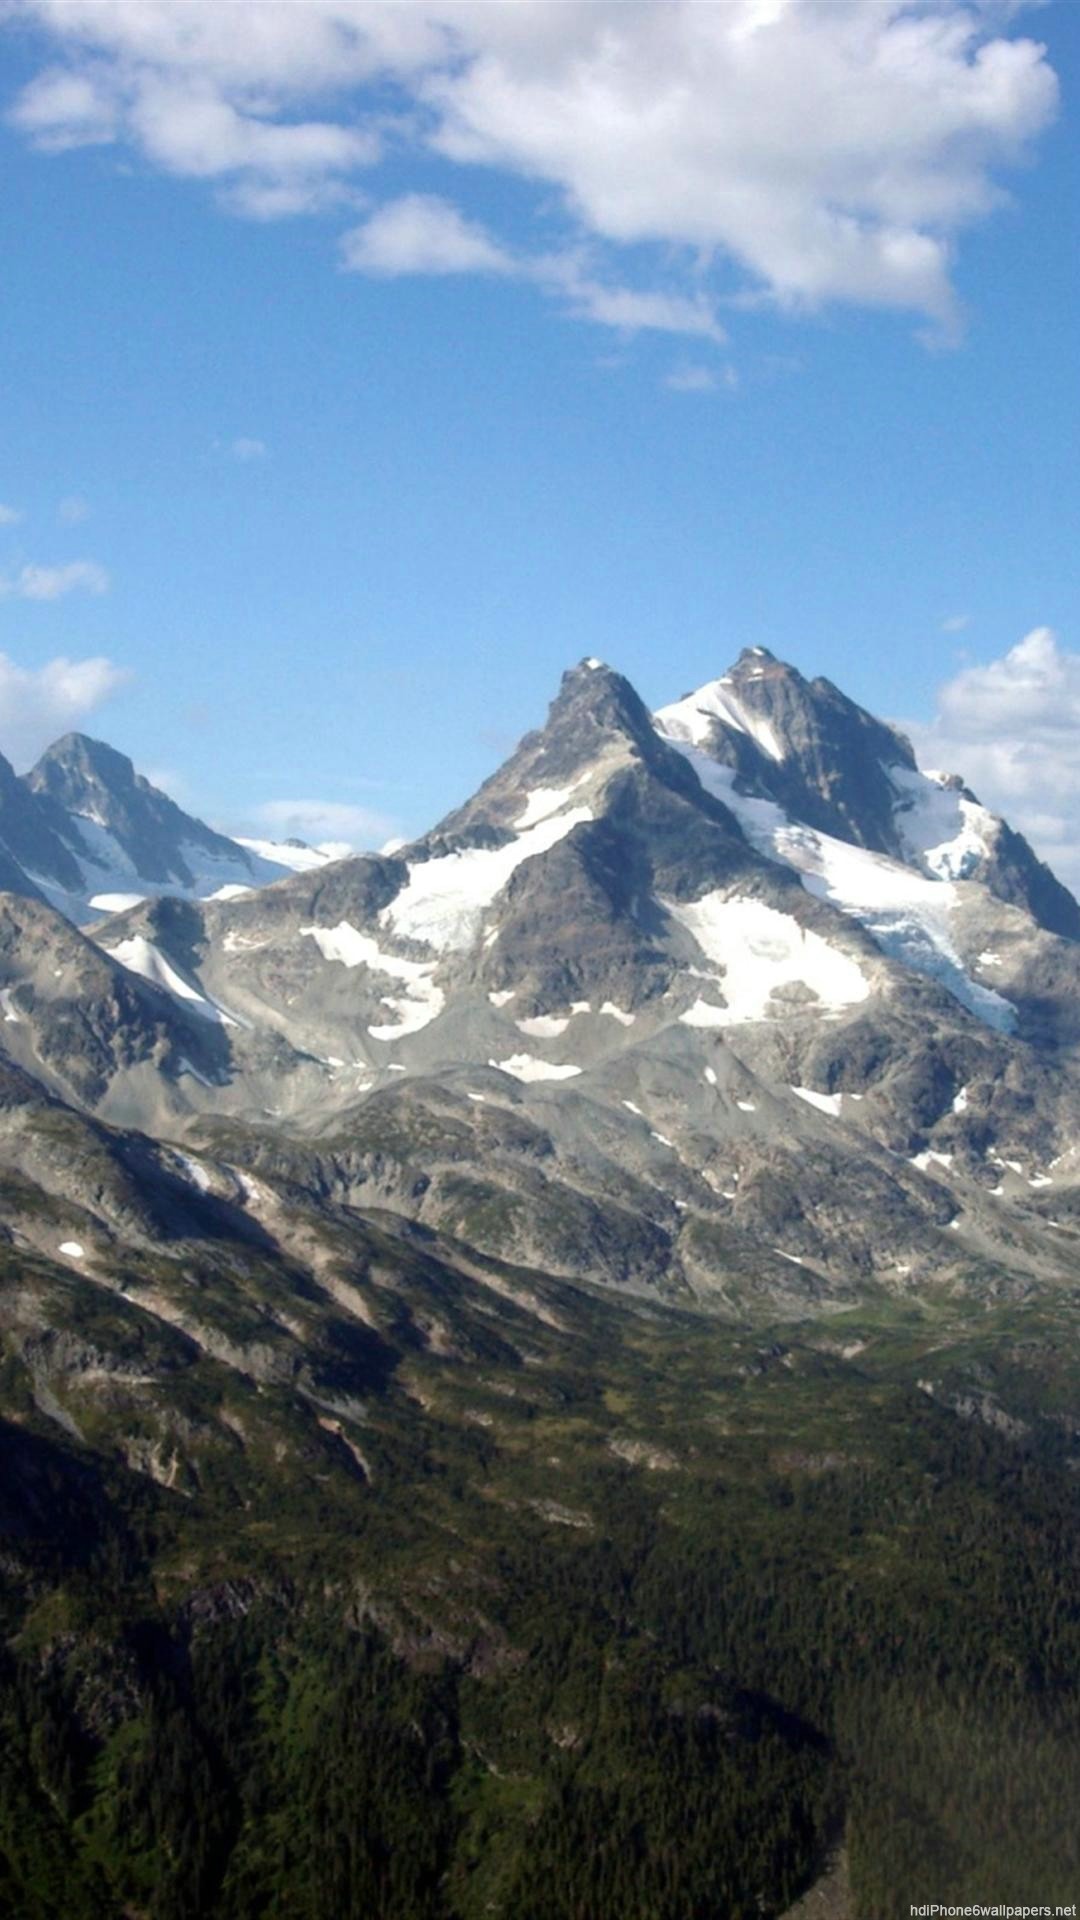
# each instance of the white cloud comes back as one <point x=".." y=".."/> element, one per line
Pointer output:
<point x="421" y="233"/>
<point x="797" y="151"/>
<point x="9" y="516"/>
<point x="73" y="510"/>
<point x="245" y="449"/>
<point x="690" y="380"/>
<point x="424" y="234"/>
<point x="324" y="823"/>
<point x="53" y="583"/>
<point x="1012" y="729"/>
<point x="38" y="703"/>
<point x="956" y="622"/>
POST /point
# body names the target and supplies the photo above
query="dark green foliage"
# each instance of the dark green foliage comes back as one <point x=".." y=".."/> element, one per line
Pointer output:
<point x="512" y="1675"/>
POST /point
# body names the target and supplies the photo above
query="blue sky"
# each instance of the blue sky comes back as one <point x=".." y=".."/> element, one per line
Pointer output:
<point x="357" y="381"/>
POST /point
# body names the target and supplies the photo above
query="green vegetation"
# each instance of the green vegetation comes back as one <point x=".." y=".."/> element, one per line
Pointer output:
<point x="508" y="1666"/>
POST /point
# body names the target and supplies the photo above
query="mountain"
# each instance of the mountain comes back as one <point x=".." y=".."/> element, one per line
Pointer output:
<point x="540" y="1368"/>
<point x="624" y="1016"/>
<point x="93" y="836"/>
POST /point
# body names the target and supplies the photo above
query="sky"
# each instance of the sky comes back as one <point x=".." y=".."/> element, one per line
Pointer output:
<point x="364" y="366"/>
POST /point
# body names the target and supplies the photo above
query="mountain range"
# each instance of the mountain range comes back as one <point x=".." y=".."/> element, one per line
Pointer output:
<point x="727" y="970"/>
<point x="725" y="1030"/>
<point x="86" y="832"/>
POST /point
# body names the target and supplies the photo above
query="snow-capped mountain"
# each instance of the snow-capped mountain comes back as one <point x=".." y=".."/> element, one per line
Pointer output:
<point x="93" y="836"/>
<point x="729" y="996"/>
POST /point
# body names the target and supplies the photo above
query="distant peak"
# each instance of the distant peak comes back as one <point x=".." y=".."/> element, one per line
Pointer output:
<point x="80" y="751"/>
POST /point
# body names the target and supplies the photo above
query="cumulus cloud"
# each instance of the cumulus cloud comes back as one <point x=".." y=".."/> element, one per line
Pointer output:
<point x="332" y="825"/>
<point x="54" y="583"/>
<point x="73" y="510"/>
<point x="421" y="233"/>
<point x="956" y="622"/>
<point x="1012" y="728"/>
<point x="9" y="516"/>
<point x="425" y="234"/>
<point x="794" y="151"/>
<point x="245" y="449"/>
<point x="38" y="703"/>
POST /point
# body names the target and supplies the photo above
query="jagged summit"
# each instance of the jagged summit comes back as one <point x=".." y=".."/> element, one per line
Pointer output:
<point x="77" y="763"/>
<point x="816" y="752"/>
<point x="101" y="788"/>
<point x="763" y="731"/>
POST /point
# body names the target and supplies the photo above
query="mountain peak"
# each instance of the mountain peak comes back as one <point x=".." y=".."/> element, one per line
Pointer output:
<point x="81" y="752"/>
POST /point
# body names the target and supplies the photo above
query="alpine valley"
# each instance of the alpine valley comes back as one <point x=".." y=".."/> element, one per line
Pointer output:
<point x="540" y="1370"/>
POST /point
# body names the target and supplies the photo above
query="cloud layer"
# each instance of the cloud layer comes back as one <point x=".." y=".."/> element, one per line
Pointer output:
<point x="39" y="703"/>
<point x="1012" y="728"/>
<point x="332" y="825"/>
<point x="793" y="151"/>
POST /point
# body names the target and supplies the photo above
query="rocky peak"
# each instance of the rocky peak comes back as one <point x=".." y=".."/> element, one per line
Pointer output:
<point x="77" y="769"/>
<point x="95" y="783"/>
<point x="596" y="724"/>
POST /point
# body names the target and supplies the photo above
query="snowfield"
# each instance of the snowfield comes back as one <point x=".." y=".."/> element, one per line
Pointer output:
<point x="761" y="951"/>
<point x="444" y="900"/>
<point x="907" y="913"/>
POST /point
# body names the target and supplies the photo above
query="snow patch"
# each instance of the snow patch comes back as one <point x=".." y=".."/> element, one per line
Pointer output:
<point x="140" y="956"/>
<point x="944" y="832"/>
<point x="960" y="1103"/>
<point x="746" y="1106"/>
<point x="825" y="1102"/>
<point x="693" y="719"/>
<point x="11" y="1012"/>
<point x="195" y="1172"/>
<point x="73" y="1249"/>
<point x="525" y="1066"/>
<point x="499" y="999"/>
<point x="421" y="1002"/>
<point x="542" y="802"/>
<point x="116" y="902"/>
<point x="298" y="859"/>
<point x="543" y="1026"/>
<point x="931" y="1159"/>
<point x="702" y="1014"/>
<point x="616" y="1013"/>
